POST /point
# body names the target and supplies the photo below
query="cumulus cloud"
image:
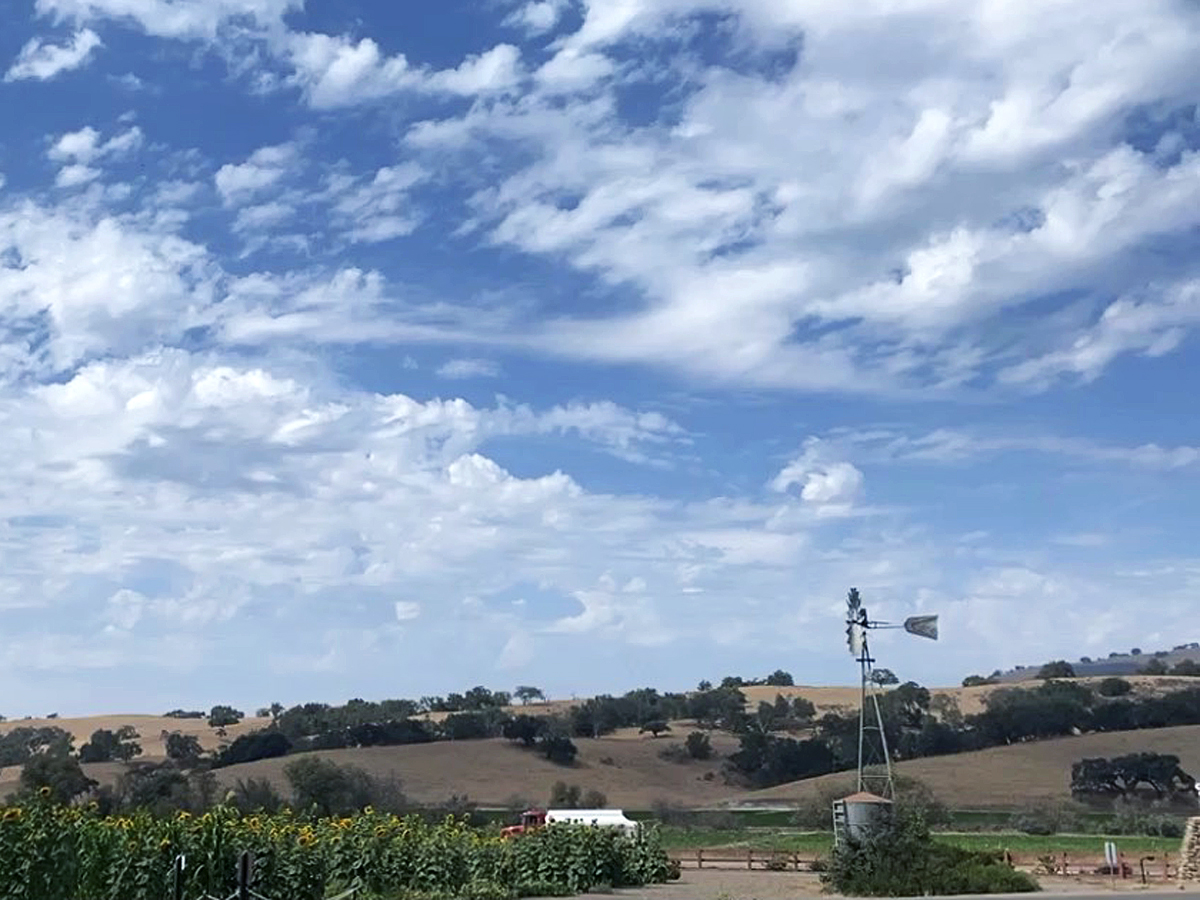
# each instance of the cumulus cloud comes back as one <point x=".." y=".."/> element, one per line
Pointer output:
<point x="237" y="182"/>
<point x="81" y="152"/>
<point x="790" y="258"/>
<point x="829" y="485"/>
<point x="316" y="491"/>
<point x="81" y="286"/>
<point x="537" y="16"/>
<point x="334" y="71"/>
<point x="41" y="61"/>
<point x="225" y="442"/>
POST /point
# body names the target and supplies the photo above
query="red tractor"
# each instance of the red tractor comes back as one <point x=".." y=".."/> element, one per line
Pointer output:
<point x="530" y="819"/>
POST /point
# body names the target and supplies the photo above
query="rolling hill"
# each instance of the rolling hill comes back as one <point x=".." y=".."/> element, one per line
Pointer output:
<point x="627" y="766"/>
<point x="149" y="729"/>
<point x="1122" y="664"/>
<point x="1004" y="777"/>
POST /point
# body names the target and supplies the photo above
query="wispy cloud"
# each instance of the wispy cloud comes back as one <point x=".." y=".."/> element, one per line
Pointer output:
<point x="459" y="369"/>
<point x="40" y="60"/>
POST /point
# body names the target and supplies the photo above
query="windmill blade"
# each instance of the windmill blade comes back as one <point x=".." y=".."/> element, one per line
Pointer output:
<point x="922" y="626"/>
<point x="853" y="604"/>
<point x="854" y="638"/>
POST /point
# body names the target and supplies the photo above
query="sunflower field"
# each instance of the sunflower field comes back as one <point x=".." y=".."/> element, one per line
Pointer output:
<point x="50" y="852"/>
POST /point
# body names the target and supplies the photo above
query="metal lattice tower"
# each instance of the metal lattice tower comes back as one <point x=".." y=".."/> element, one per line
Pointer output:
<point x="874" y="759"/>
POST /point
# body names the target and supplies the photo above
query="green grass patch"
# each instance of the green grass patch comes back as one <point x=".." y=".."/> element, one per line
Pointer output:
<point x="676" y="838"/>
<point x="1071" y="843"/>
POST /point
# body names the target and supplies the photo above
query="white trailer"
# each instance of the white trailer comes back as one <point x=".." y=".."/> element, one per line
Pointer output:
<point x="600" y="818"/>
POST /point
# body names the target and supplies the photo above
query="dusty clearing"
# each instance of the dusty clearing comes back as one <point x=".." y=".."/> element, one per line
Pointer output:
<point x="708" y="884"/>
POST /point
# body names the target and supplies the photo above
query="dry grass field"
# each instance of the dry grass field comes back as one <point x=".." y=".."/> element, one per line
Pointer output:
<point x="628" y="770"/>
<point x="1003" y="777"/>
<point x="149" y="729"/>
<point x="626" y="767"/>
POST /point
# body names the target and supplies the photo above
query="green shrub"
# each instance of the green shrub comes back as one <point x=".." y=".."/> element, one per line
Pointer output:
<point x="1114" y="687"/>
<point x="901" y="860"/>
<point x="1045" y="819"/>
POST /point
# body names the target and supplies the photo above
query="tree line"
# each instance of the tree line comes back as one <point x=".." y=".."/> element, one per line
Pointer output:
<point x="779" y="741"/>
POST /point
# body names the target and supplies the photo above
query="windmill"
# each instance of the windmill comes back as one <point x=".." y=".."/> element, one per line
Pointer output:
<point x="872" y="739"/>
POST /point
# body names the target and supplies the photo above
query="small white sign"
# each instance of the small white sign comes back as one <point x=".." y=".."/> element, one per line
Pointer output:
<point x="1110" y="854"/>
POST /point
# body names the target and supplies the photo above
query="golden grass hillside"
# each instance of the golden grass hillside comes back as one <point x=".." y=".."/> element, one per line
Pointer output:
<point x="626" y="767"/>
<point x="149" y="729"/>
<point x="1007" y="777"/>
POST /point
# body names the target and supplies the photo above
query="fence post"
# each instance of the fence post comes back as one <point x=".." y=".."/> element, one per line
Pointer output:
<point x="245" y="867"/>
<point x="1066" y="864"/>
<point x="749" y="859"/>
<point x="699" y="857"/>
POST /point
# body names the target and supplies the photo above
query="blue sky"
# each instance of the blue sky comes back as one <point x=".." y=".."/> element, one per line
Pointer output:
<point x="356" y="349"/>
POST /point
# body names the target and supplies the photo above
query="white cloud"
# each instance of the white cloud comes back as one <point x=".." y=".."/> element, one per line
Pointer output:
<point x="406" y="610"/>
<point x="335" y="71"/>
<point x="183" y="19"/>
<point x="84" y="146"/>
<point x="378" y="208"/>
<point x="537" y="16"/>
<point x="96" y="286"/>
<point x="1152" y="324"/>
<point x="874" y="243"/>
<point x="829" y="485"/>
<point x="75" y="175"/>
<point x="498" y="69"/>
<point x="518" y="651"/>
<point x="271" y="495"/>
<point x="238" y="182"/>
<point x="81" y="151"/>
<point x="913" y="225"/>
<point x="950" y="445"/>
<point x="125" y="609"/>
<point x="42" y="61"/>
<point x="468" y="368"/>
<point x="570" y="70"/>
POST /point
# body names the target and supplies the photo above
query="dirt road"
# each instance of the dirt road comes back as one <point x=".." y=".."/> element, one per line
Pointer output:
<point x="716" y="884"/>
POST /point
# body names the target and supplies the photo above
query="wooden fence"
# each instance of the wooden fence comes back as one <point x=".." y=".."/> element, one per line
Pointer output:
<point x="728" y="858"/>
